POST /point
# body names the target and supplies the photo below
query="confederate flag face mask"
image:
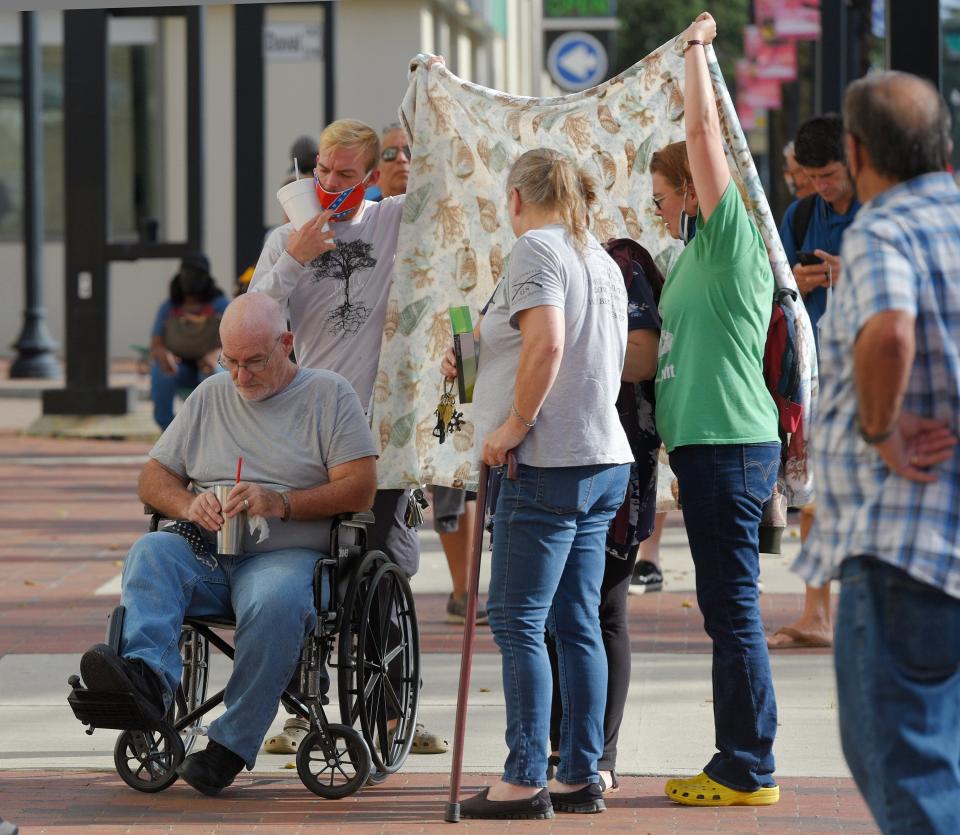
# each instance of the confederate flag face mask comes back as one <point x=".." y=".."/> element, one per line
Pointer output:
<point x="342" y="203"/>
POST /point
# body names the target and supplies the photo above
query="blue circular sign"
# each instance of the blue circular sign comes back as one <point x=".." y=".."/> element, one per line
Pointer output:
<point x="577" y="60"/>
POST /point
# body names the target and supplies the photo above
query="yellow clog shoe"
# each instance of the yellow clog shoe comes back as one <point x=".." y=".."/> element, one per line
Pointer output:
<point x="702" y="791"/>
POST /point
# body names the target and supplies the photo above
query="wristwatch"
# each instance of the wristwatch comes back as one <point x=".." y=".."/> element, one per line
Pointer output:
<point x="879" y="438"/>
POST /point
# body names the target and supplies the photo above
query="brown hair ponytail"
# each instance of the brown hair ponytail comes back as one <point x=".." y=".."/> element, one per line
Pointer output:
<point x="552" y="180"/>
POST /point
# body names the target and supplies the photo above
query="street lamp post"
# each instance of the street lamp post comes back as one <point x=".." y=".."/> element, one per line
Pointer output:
<point x="35" y="346"/>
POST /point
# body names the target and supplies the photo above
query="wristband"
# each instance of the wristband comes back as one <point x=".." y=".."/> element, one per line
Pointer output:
<point x="286" y="507"/>
<point x="528" y="423"/>
<point x="879" y="438"/>
<point x="689" y="43"/>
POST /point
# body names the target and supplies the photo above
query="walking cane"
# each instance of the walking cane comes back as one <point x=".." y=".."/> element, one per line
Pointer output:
<point x="466" y="653"/>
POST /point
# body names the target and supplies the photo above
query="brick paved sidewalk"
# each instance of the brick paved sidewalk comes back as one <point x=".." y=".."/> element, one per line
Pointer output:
<point x="85" y="803"/>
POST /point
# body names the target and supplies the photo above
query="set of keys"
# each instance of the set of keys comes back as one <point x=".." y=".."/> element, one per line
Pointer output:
<point x="448" y="418"/>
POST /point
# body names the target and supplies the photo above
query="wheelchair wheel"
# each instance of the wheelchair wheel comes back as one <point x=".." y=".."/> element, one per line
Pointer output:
<point x="358" y="589"/>
<point x="147" y="760"/>
<point x="388" y="668"/>
<point x="337" y="776"/>
<point x="193" y="683"/>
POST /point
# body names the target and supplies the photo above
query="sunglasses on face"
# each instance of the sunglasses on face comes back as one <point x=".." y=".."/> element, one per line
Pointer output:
<point x="390" y="154"/>
<point x="658" y="201"/>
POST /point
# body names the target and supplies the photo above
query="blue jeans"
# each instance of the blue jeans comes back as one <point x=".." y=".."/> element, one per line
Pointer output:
<point x="722" y="491"/>
<point x="898" y="686"/>
<point x="548" y="560"/>
<point x="271" y="597"/>
<point x="164" y="388"/>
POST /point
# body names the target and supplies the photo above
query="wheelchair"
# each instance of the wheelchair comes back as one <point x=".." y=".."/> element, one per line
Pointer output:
<point x="368" y="633"/>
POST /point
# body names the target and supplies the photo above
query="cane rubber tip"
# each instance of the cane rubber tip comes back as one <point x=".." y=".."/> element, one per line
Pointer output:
<point x="453" y="812"/>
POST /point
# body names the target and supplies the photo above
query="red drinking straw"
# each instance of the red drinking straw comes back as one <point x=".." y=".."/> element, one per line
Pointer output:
<point x="239" y="467"/>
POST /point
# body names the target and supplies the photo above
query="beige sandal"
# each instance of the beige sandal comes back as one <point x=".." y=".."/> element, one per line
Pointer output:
<point x="287" y="742"/>
<point x="425" y="742"/>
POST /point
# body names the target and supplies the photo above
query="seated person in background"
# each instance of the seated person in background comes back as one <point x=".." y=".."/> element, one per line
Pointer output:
<point x="184" y="342"/>
<point x="308" y="455"/>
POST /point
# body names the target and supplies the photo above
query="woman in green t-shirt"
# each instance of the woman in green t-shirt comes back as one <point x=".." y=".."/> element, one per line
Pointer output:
<point x="719" y="424"/>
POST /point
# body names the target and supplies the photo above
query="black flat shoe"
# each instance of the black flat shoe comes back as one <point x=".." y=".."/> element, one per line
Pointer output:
<point x="211" y="770"/>
<point x="531" y="808"/>
<point x="585" y="801"/>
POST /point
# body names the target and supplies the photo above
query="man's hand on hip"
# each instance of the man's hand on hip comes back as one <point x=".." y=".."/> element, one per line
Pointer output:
<point x="916" y="444"/>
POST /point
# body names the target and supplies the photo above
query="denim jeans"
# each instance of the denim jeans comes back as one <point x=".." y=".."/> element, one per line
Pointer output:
<point x="547" y="567"/>
<point x="271" y="597"/>
<point x="164" y="388"/>
<point x="722" y="491"/>
<point x="898" y="687"/>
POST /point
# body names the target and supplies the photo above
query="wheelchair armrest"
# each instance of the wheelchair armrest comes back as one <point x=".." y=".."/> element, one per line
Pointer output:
<point x="363" y="517"/>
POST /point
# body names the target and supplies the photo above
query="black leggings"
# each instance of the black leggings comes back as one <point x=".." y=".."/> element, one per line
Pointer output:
<point x="616" y="642"/>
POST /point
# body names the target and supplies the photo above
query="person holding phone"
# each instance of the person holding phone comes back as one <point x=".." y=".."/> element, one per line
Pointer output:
<point x="812" y="231"/>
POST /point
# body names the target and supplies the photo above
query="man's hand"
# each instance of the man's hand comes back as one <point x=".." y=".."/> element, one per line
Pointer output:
<point x="704" y="28"/>
<point x="204" y="510"/>
<point x="254" y="499"/>
<point x="207" y="364"/>
<point x="917" y="443"/>
<point x="166" y="360"/>
<point x="311" y="239"/>
<point x="811" y="276"/>
<point x="505" y="437"/>
<point x="448" y="365"/>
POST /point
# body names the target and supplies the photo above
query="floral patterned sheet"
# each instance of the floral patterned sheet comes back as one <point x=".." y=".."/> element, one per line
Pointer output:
<point x="455" y="237"/>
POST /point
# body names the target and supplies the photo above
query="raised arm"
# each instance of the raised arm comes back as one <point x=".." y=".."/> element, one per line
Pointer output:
<point x="708" y="163"/>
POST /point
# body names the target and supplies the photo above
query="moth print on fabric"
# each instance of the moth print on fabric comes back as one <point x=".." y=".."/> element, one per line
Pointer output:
<point x="340" y="264"/>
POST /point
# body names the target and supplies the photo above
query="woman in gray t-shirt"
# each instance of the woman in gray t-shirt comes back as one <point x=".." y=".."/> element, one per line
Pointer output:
<point x="552" y="345"/>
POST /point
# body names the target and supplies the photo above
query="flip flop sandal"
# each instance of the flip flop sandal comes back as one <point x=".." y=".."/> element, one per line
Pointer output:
<point x="288" y="740"/>
<point x="797" y="640"/>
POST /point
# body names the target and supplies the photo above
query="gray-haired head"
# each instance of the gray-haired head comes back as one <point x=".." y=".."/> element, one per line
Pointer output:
<point x="902" y="121"/>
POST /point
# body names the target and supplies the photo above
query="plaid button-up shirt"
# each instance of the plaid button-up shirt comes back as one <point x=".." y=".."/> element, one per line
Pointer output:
<point x="901" y="253"/>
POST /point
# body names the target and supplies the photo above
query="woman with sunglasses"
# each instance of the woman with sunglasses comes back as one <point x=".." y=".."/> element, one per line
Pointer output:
<point x="719" y="424"/>
<point x="394" y="165"/>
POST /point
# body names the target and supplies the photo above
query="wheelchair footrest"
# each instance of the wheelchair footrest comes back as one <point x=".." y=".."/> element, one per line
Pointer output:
<point x="106" y="709"/>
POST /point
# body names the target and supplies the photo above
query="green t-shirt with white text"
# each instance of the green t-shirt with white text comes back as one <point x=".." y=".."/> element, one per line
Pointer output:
<point x="716" y="308"/>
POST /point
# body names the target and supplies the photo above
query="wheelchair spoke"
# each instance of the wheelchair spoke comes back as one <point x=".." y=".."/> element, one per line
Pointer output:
<point x="391" y="695"/>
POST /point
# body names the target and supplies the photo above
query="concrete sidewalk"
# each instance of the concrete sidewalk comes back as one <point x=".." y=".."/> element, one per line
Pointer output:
<point x="69" y="512"/>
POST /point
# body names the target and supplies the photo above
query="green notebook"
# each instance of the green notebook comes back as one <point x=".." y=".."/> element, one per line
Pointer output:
<point x="465" y="348"/>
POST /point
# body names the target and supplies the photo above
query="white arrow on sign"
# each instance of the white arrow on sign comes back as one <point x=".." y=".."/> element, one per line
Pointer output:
<point x="579" y="61"/>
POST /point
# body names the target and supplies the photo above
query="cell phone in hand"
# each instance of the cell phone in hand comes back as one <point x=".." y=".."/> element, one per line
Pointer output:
<point x="808" y="259"/>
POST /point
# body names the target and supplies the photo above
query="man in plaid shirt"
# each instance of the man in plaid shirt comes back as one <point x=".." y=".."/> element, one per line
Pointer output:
<point x="888" y="480"/>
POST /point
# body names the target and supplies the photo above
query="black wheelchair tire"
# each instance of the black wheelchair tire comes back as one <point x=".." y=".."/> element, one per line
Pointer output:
<point x="351" y="751"/>
<point x="353" y="601"/>
<point x="390" y="591"/>
<point x="160" y="752"/>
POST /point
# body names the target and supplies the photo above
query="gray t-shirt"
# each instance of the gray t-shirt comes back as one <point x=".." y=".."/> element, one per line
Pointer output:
<point x="288" y="442"/>
<point x="338" y="302"/>
<point x="578" y="423"/>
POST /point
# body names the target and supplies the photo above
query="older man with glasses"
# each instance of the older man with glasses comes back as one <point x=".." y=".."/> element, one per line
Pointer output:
<point x="308" y="455"/>
<point x="395" y="155"/>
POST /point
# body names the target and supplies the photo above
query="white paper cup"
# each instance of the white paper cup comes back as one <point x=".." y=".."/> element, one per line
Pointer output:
<point x="230" y="536"/>
<point x="299" y="201"/>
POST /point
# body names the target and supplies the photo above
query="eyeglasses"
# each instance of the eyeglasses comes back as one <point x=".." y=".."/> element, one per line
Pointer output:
<point x="658" y="201"/>
<point x="253" y="366"/>
<point x="390" y="154"/>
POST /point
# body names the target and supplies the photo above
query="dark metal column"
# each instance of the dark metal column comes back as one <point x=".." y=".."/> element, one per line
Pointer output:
<point x="329" y="62"/>
<point x="914" y="43"/>
<point x="196" y="28"/>
<point x="86" y="276"/>
<point x="35" y="346"/>
<point x="831" y="60"/>
<point x="249" y="133"/>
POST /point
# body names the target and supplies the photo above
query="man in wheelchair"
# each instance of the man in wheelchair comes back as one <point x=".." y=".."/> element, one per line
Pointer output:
<point x="308" y="455"/>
